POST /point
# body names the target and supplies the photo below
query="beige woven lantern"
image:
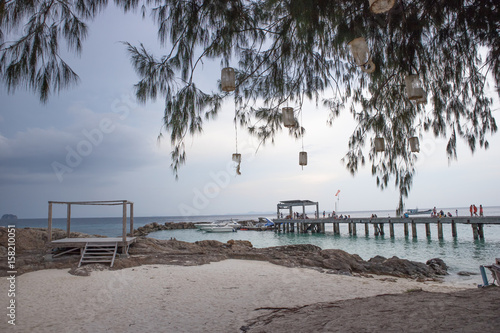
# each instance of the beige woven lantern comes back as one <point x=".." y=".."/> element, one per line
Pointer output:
<point x="379" y="145"/>
<point x="228" y="79"/>
<point x="381" y="6"/>
<point x="360" y="51"/>
<point x="369" y="67"/>
<point x="287" y="117"/>
<point x="414" y="144"/>
<point x="414" y="87"/>
<point x="302" y="158"/>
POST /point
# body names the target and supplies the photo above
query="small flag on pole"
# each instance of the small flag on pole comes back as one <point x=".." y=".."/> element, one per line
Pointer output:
<point x="336" y="194"/>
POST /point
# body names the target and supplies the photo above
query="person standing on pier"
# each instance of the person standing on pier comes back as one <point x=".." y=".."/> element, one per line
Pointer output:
<point x="470" y="210"/>
<point x="481" y="213"/>
<point x="475" y="210"/>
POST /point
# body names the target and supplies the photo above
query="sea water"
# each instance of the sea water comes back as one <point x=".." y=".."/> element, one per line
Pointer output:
<point x="462" y="253"/>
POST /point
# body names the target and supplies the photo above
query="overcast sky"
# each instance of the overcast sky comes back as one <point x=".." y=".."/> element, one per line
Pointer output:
<point x="94" y="142"/>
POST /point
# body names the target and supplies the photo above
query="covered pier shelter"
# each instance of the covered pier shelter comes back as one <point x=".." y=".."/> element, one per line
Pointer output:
<point x="303" y="222"/>
<point x="80" y="243"/>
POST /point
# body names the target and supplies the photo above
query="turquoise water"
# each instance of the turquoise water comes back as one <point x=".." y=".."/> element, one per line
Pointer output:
<point x="460" y="254"/>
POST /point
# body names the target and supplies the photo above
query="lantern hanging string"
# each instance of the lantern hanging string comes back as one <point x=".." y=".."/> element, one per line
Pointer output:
<point x="236" y="127"/>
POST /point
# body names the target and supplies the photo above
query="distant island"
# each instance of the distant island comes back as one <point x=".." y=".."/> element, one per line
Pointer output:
<point x="9" y="217"/>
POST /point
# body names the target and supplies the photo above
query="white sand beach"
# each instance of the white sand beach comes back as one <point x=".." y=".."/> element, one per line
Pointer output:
<point x="218" y="297"/>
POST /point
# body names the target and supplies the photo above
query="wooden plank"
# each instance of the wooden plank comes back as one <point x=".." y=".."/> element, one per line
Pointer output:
<point x="124" y="236"/>
<point x="68" y="220"/>
<point x="131" y="219"/>
<point x="440" y="230"/>
<point x="49" y="228"/>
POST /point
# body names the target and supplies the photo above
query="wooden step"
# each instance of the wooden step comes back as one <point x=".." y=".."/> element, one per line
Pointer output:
<point x="99" y="252"/>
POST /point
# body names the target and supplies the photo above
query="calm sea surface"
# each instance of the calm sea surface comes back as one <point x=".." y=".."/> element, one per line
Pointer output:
<point x="460" y="254"/>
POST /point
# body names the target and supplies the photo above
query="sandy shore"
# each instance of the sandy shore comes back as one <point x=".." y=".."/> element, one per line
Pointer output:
<point x="219" y="297"/>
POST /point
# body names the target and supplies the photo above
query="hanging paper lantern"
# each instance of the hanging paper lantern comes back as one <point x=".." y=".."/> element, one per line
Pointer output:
<point x="423" y="99"/>
<point x="237" y="158"/>
<point x="379" y="144"/>
<point x="287" y="117"/>
<point x="414" y="144"/>
<point x="369" y="67"/>
<point x="302" y="158"/>
<point x="414" y="87"/>
<point x="360" y="51"/>
<point x="381" y="6"/>
<point x="228" y="79"/>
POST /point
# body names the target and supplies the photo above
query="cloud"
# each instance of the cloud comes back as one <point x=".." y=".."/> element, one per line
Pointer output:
<point x="94" y="144"/>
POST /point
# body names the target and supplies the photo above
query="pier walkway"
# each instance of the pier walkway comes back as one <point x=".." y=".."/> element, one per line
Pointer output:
<point x="378" y="224"/>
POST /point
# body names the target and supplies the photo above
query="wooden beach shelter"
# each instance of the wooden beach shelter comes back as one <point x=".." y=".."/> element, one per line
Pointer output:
<point x="68" y="242"/>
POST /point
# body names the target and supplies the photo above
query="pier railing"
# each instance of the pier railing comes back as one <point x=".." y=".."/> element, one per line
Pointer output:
<point x="378" y="224"/>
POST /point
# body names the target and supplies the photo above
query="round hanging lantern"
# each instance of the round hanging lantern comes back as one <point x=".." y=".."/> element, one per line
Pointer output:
<point x="287" y="117"/>
<point x="302" y="158"/>
<point x="414" y="87"/>
<point x="369" y="67"/>
<point x="381" y="6"/>
<point x="414" y="144"/>
<point x="228" y="79"/>
<point x="237" y="158"/>
<point x="379" y="144"/>
<point x="360" y="51"/>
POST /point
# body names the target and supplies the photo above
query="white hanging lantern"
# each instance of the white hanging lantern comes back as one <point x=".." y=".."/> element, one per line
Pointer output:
<point x="423" y="99"/>
<point x="379" y="145"/>
<point x="414" y="87"/>
<point x="228" y="79"/>
<point x="237" y="158"/>
<point x="360" y="51"/>
<point x="302" y="158"/>
<point x="414" y="144"/>
<point x="287" y="117"/>
<point x="381" y="6"/>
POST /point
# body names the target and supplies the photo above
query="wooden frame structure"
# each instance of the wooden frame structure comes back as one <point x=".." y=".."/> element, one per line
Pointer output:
<point x="289" y="204"/>
<point x="125" y="241"/>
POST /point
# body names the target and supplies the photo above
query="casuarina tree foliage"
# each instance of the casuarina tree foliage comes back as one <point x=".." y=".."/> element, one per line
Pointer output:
<point x="286" y="52"/>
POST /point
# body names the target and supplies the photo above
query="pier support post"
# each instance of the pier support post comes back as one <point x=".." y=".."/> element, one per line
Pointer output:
<point x="378" y="229"/>
<point x="453" y="229"/>
<point x="474" y="231"/>
<point x="406" y="229"/>
<point x="477" y="231"/>
<point x="391" y="229"/>
<point x="413" y="229"/>
<point x="336" y="228"/>
<point x="354" y="232"/>
<point x="440" y="230"/>
<point x="367" y="231"/>
<point x="428" y="229"/>
<point x="480" y="230"/>
<point x="350" y="228"/>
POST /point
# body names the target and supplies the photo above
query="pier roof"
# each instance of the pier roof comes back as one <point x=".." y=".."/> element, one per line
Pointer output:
<point x="291" y="203"/>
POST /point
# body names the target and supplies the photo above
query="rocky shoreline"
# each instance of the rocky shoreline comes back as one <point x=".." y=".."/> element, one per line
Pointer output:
<point x="32" y="250"/>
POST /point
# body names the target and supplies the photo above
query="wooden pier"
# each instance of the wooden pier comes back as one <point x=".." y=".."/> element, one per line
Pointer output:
<point x="378" y="225"/>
